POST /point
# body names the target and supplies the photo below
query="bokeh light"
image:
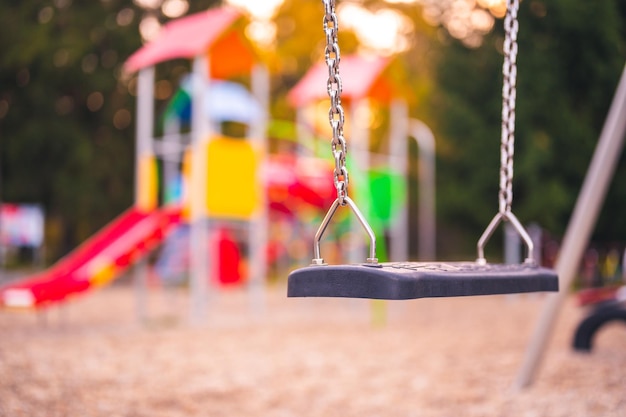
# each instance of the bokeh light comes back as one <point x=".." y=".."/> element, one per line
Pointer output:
<point x="95" y="101"/>
<point x="259" y="9"/>
<point x="174" y="8"/>
<point x="122" y="119"/>
<point x="148" y="4"/>
<point x="263" y="32"/>
<point x="149" y="27"/>
<point x="45" y="14"/>
<point x="261" y="29"/>
<point x="385" y="31"/>
<point x="125" y="17"/>
<point x="466" y="20"/>
<point x="89" y="63"/>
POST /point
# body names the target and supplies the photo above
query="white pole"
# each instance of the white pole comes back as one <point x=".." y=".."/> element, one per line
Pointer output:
<point x="145" y="120"/>
<point x="426" y="187"/>
<point x="258" y="225"/>
<point x="536" y="233"/>
<point x="579" y="229"/>
<point x="360" y="138"/>
<point x="140" y="284"/>
<point x="143" y="147"/>
<point x="512" y="242"/>
<point x="260" y="85"/>
<point x="199" y="255"/>
<point x="398" y="161"/>
<point x="304" y="133"/>
<point x="171" y="160"/>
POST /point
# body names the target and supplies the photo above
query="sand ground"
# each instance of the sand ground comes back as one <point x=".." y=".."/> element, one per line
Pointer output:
<point x="301" y="357"/>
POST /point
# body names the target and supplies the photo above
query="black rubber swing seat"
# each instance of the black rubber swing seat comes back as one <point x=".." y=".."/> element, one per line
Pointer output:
<point x="408" y="280"/>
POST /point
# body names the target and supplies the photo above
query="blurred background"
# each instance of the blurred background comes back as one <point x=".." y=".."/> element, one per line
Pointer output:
<point x="67" y="109"/>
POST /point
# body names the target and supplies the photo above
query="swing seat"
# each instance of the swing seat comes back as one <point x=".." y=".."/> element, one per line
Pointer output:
<point x="408" y="280"/>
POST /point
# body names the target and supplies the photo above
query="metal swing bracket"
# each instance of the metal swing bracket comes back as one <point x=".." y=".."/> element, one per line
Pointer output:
<point x="372" y="260"/>
<point x="505" y="216"/>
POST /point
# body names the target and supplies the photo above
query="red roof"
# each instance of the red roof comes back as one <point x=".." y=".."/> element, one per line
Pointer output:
<point x="361" y="77"/>
<point x="186" y="37"/>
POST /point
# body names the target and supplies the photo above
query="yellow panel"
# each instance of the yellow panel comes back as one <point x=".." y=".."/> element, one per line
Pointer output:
<point x="232" y="178"/>
<point x="186" y="174"/>
<point x="147" y="193"/>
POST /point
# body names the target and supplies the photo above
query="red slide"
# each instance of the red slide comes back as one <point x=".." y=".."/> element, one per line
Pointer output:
<point x="97" y="261"/>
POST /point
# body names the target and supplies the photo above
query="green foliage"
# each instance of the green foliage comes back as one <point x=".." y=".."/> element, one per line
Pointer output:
<point x="66" y="116"/>
<point x="570" y="58"/>
<point x="55" y="150"/>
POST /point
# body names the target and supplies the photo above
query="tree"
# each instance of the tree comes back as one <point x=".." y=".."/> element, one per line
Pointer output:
<point x="66" y="115"/>
<point x="570" y="57"/>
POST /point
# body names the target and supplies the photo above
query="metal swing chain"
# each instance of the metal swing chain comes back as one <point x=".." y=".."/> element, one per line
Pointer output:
<point x="509" y="93"/>
<point x="507" y="144"/>
<point x="334" y="88"/>
<point x="339" y="147"/>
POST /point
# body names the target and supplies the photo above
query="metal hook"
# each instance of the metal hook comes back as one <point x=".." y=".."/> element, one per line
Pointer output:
<point x="318" y="260"/>
<point x="498" y="218"/>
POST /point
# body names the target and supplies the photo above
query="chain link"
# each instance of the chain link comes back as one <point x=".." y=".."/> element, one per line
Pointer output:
<point x="334" y="88"/>
<point x="507" y="144"/>
<point x="336" y="118"/>
<point x="509" y="93"/>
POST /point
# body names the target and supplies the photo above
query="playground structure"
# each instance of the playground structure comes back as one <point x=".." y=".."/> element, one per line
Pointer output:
<point x="194" y="165"/>
<point x="194" y="158"/>
<point x="227" y="181"/>
<point x="139" y="230"/>
<point x="216" y="187"/>
<point x="381" y="178"/>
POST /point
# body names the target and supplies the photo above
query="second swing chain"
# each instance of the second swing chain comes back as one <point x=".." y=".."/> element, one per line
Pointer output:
<point x="339" y="147"/>
<point x="507" y="143"/>
<point x="509" y="93"/>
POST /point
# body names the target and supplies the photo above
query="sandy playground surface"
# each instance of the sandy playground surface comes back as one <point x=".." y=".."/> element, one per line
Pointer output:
<point x="301" y="357"/>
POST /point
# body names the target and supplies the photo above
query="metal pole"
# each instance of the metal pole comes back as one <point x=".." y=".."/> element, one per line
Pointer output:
<point x="199" y="253"/>
<point x="398" y="161"/>
<point x="512" y="242"/>
<point x="140" y="286"/>
<point x="304" y="134"/>
<point x="171" y="160"/>
<point x="426" y="187"/>
<point x="579" y="229"/>
<point x="259" y="223"/>
<point x="145" y="121"/>
<point x="260" y="85"/>
<point x="143" y="148"/>
<point x="361" y="156"/>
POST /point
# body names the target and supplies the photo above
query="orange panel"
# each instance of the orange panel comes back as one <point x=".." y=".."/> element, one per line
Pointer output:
<point x="231" y="56"/>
